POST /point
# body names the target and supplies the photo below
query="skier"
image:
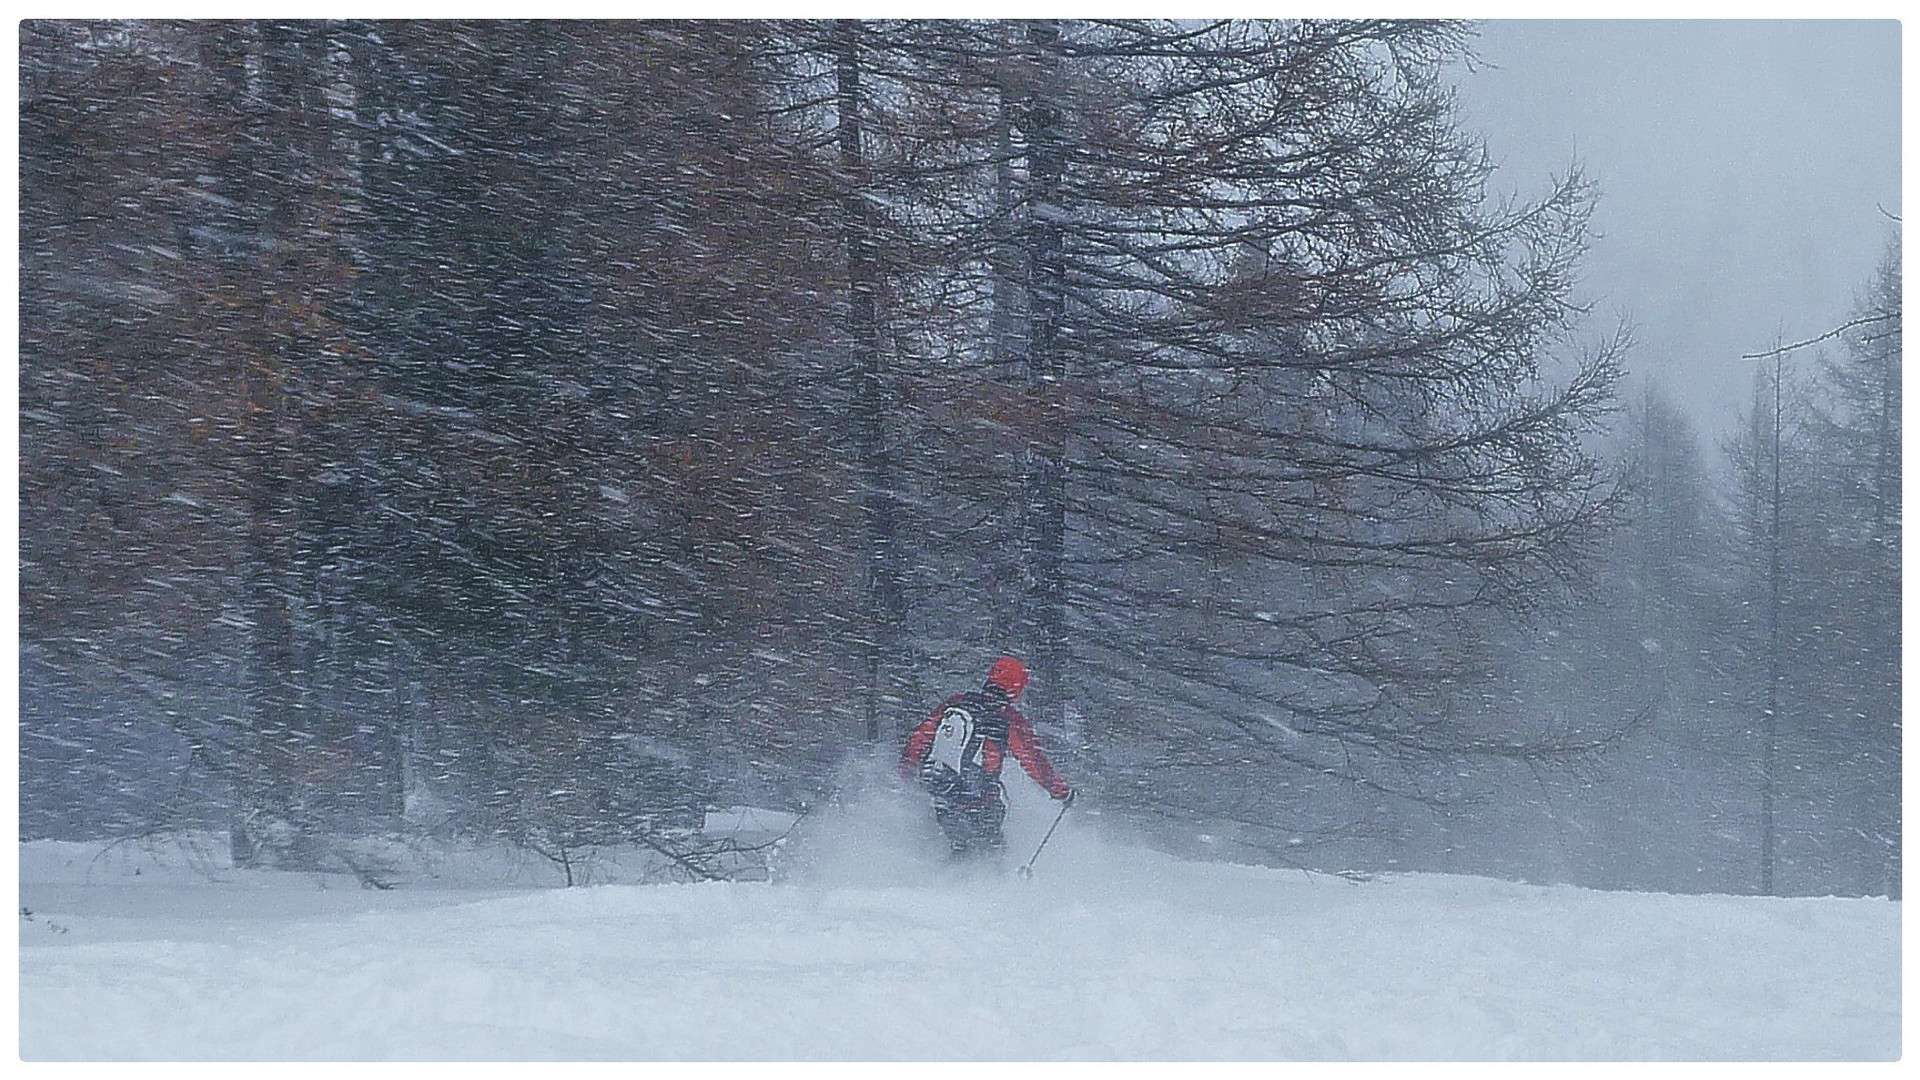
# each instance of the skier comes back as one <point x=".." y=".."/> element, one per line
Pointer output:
<point x="956" y="754"/>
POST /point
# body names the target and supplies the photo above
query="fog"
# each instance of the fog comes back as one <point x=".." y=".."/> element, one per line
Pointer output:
<point x="1747" y="170"/>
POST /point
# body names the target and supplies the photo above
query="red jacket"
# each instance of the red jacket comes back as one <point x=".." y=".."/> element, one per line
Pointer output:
<point x="1020" y="740"/>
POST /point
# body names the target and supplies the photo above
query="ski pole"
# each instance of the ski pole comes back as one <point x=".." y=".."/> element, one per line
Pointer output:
<point x="1027" y="870"/>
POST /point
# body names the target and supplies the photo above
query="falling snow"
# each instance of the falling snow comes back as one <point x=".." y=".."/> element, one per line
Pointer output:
<point x="462" y="459"/>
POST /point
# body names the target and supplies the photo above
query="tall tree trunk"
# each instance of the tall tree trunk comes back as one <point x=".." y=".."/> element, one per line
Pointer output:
<point x="239" y="57"/>
<point x="1007" y="331"/>
<point x="885" y="610"/>
<point x="1046" y="461"/>
<point x="1004" y="328"/>
<point x="276" y="168"/>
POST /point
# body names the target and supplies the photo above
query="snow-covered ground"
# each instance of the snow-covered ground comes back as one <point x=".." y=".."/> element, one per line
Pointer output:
<point x="865" y="948"/>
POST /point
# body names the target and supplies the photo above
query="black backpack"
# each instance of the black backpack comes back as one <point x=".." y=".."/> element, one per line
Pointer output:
<point x="954" y="765"/>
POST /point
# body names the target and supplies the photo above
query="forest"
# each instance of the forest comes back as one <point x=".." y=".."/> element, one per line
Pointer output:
<point x="548" y="432"/>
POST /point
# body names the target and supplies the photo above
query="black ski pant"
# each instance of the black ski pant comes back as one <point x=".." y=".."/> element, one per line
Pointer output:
<point x="973" y="826"/>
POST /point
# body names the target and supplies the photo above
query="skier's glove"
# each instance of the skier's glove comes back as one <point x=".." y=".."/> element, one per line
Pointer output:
<point x="1068" y="797"/>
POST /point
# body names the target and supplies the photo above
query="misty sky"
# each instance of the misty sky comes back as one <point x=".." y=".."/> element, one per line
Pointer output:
<point x="1742" y="167"/>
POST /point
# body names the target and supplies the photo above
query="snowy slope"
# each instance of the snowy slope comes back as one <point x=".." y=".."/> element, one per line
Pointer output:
<point x="867" y="950"/>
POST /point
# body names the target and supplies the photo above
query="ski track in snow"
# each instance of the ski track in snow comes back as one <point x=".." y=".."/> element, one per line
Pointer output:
<point x="871" y="952"/>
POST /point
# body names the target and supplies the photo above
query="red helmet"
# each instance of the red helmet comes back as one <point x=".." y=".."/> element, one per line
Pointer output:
<point x="1008" y="674"/>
